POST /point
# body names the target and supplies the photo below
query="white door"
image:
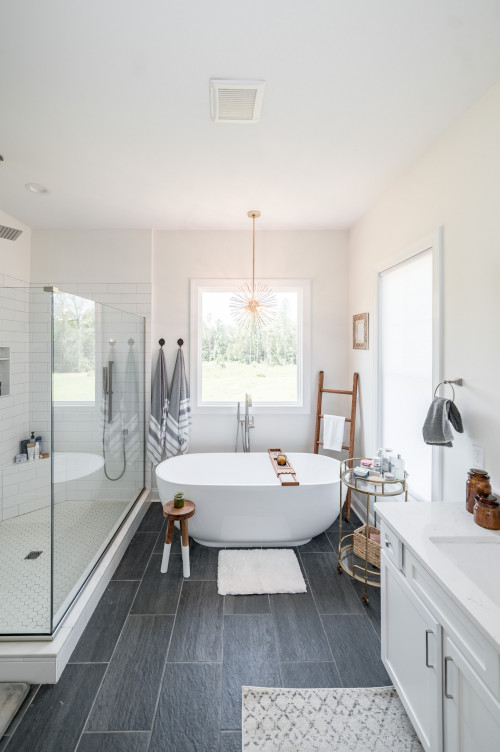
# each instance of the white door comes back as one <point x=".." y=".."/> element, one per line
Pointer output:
<point x="408" y="364"/>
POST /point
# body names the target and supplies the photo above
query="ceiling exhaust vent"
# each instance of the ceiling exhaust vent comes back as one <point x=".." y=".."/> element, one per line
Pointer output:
<point x="9" y="233"/>
<point x="236" y="101"/>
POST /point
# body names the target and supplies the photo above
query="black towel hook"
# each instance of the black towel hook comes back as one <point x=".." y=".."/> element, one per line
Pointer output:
<point x="161" y="342"/>
<point x="180" y="342"/>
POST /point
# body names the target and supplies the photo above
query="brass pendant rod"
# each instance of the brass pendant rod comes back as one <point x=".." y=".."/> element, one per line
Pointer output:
<point x="253" y="256"/>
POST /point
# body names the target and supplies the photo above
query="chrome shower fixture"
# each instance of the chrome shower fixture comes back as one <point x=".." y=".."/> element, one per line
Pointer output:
<point x="245" y="422"/>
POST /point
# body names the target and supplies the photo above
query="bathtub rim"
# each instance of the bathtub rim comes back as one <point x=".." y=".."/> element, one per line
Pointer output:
<point x="274" y="481"/>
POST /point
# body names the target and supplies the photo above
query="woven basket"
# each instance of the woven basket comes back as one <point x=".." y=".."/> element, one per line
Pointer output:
<point x="359" y="539"/>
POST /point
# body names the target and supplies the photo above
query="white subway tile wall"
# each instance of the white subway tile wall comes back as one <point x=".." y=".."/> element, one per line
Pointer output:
<point x="25" y="327"/>
<point x="14" y="407"/>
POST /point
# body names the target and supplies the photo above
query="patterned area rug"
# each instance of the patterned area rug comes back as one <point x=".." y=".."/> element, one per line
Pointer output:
<point x="259" y="570"/>
<point x="326" y="720"/>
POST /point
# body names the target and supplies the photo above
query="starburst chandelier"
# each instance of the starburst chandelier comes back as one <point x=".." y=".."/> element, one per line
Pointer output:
<point x="253" y="305"/>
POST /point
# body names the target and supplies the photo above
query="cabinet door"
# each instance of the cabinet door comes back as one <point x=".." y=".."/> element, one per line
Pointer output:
<point x="411" y="652"/>
<point x="471" y="713"/>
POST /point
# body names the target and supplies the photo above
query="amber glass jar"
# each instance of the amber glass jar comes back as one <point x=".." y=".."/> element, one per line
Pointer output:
<point x="477" y="482"/>
<point x="487" y="511"/>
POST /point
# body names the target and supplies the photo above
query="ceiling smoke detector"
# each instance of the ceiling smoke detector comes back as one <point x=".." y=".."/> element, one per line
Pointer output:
<point x="236" y="101"/>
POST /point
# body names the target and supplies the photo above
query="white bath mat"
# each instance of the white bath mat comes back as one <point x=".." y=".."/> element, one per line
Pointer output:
<point x="259" y="570"/>
<point x="326" y="720"/>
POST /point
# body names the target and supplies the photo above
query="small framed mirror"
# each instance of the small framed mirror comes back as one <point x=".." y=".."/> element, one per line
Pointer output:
<point x="360" y="331"/>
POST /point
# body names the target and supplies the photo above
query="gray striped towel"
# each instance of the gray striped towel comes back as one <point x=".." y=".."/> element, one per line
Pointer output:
<point x="179" y="412"/>
<point x="159" y="410"/>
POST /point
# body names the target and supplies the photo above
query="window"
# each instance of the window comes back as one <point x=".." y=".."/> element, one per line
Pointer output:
<point x="408" y="333"/>
<point x="229" y="361"/>
<point x="74" y="349"/>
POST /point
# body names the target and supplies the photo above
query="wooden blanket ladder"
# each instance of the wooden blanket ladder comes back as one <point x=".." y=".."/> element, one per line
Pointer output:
<point x="352" y="420"/>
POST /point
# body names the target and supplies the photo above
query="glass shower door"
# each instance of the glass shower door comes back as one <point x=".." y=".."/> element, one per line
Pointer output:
<point x="97" y="434"/>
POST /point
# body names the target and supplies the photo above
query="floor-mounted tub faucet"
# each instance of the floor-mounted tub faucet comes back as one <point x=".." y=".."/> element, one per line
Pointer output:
<point x="245" y="422"/>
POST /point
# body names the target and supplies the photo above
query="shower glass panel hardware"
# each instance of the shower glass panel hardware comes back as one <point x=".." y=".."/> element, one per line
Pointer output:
<point x="59" y="513"/>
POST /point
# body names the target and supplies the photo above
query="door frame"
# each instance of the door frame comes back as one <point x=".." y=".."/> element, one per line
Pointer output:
<point x="432" y="242"/>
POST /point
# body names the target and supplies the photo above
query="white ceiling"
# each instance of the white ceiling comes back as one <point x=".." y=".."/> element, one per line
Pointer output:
<point x="106" y="103"/>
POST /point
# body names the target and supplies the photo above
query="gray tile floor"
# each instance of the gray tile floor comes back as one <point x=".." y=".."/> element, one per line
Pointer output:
<point x="161" y="663"/>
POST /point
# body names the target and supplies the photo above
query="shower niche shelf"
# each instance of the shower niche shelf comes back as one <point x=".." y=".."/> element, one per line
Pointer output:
<point x="4" y="371"/>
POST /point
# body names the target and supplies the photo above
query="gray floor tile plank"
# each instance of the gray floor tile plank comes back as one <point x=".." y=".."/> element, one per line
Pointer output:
<point x="203" y="561"/>
<point x="333" y="592"/>
<point x="22" y="710"/>
<point x="310" y="675"/>
<point x="230" y="741"/>
<point x="356" y="651"/>
<point x="246" y="604"/>
<point x="159" y="593"/>
<point x="249" y="659"/>
<point x="319" y="544"/>
<point x="153" y="520"/>
<point x="127" y="698"/>
<point x="347" y="527"/>
<point x="198" y="627"/>
<point x="99" y="638"/>
<point x="297" y="627"/>
<point x="188" y="717"/>
<point x="136" y="557"/>
<point x="334" y="541"/>
<point x="135" y="741"/>
<point x="372" y="608"/>
<point x="55" y="718"/>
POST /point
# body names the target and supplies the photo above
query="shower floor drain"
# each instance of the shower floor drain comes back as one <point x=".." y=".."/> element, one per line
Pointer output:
<point x="33" y="554"/>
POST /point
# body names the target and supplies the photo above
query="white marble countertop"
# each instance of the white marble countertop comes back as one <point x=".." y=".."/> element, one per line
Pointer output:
<point x="416" y="524"/>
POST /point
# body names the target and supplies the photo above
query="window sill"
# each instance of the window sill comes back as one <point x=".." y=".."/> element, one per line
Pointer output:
<point x="267" y="409"/>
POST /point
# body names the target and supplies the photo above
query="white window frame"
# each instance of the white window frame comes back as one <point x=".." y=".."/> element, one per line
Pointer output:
<point x="302" y="406"/>
<point x="433" y="243"/>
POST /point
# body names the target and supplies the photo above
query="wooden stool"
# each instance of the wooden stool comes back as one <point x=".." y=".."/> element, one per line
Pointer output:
<point x="181" y="515"/>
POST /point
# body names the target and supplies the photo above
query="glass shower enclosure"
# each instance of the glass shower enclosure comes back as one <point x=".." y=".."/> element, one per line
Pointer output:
<point x="73" y="385"/>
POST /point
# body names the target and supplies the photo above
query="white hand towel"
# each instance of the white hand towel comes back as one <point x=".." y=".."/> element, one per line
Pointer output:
<point x="333" y="432"/>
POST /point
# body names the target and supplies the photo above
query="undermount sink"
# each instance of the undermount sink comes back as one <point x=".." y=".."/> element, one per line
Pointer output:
<point x="477" y="558"/>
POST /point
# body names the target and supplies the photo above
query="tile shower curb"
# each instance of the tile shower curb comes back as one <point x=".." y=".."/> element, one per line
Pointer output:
<point x="42" y="661"/>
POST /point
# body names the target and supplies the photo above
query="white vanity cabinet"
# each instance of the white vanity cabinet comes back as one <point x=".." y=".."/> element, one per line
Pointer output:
<point x="446" y="673"/>
<point x="471" y="714"/>
<point x="411" y="652"/>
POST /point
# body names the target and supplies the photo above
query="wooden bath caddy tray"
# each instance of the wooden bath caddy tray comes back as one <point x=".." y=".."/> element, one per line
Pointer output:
<point x="285" y="473"/>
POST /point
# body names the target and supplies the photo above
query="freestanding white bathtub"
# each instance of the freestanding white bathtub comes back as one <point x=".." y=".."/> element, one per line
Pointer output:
<point x="240" y="501"/>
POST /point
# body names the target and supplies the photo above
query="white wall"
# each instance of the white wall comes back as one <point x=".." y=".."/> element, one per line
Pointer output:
<point x="15" y="254"/>
<point x="455" y="185"/>
<point x="320" y="256"/>
<point x="112" y="267"/>
<point x="91" y="256"/>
